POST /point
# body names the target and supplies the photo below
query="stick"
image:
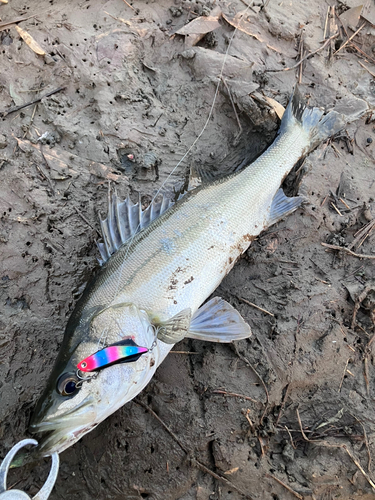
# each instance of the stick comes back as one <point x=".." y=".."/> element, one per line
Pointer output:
<point x="87" y="222"/>
<point x="344" y="249"/>
<point x="194" y="461"/>
<point x="128" y="4"/>
<point x="343" y="375"/>
<point x="254" y="305"/>
<point x="234" y="107"/>
<point x="337" y="210"/>
<point x="350" y="38"/>
<point x="366" y="68"/>
<point x="15" y="21"/>
<point x="234" y="394"/>
<point x="228" y="483"/>
<point x="285" y="486"/>
<point x="343" y="446"/>
<point x="17" y="108"/>
<point x="306" y="57"/>
<point x="241" y="356"/>
<point x="359" y="466"/>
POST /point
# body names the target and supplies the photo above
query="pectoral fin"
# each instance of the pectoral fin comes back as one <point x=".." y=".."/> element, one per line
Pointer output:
<point x="218" y="321"/>
<point x="176" y="328"/>
<point x="282" y="206"/>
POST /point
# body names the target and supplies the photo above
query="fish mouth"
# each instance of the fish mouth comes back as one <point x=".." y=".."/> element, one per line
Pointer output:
<point x="59" y="432"/>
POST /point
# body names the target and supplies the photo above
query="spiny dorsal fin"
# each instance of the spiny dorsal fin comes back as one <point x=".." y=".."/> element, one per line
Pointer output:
<point x="124" y="220"/>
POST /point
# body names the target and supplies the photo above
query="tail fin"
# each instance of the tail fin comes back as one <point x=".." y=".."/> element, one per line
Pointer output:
<point x="318" y="127"/>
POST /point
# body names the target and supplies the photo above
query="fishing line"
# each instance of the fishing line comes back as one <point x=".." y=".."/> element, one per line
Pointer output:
<point x="194" y="142"/>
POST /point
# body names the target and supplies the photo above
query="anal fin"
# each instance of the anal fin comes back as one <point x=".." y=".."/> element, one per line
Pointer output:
<point x="218" y="321"/>
<point x="282" y="206"/>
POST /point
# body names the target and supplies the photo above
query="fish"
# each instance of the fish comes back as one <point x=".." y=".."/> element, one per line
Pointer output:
<point x="159" y="267"/>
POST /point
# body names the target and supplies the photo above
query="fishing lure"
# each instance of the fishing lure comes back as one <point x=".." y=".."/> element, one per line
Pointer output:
<point x="125" y="351"/>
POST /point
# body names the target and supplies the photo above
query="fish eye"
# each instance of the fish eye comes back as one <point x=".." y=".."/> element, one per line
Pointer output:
<point x="67" y="384"/>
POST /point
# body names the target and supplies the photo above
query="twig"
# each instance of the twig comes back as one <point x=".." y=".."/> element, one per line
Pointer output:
<point x="22" y="106"/>
<point x="250" y="422"/>
<point x="306" y="56"/>
<point x="344" y="203"/>
<point x="350" y="38"/>
<point x="343" y="375"/>
<point x="291" y="438"/>
<point x="283" y="403"/>
<point x="183" y="352"/>
<point x="337" y="210"/>
<point x="343" y="446"/>
<point x="301" y="51"/>
<point x="241" y="356"/>
<point x="366" y="442"/>
<point x="344" y="249"/>
<point x="234" y="107"/>
<point x="87" y="222"/>
<point x="180" y="444"/>
<point x="128" y="4"/>
<point x="326" y="23"/>
<point x="364" y="231"/>
<point x="365" y="375"/>
<point x="302" y="432"/>
<point x="5" y="24"/>
<point x="193" y="460"/>
<point x="228" y="483"/>
<point x="358" y="465"/>
<point x="234" y="394"/>
<point x="285" y="486"/>
<point x="366" y="56"/>
<point x="366" y="68"/>
<point x="254" y="305"/>
<point x="31" y="121"/>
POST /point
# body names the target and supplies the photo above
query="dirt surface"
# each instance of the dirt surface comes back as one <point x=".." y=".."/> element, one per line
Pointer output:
<point x="130" y="88"/>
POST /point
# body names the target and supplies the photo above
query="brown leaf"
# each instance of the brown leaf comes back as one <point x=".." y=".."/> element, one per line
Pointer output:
<point x="243" y="23"/>
<point x="350" y="17"/>
<point x="276" y="106"/>
<point x="200" y="26"/>
<point x="33" y="44"/>
<point x="231" y="471"/>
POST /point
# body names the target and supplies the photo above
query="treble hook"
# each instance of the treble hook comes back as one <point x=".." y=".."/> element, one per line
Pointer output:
<point x="46" y="489"/>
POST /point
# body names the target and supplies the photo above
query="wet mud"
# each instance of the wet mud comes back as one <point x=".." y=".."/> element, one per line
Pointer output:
<point x="289" y="412"/>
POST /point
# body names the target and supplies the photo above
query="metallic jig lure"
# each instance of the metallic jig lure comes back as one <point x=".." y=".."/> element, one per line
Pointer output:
<point x="125" y="351"/>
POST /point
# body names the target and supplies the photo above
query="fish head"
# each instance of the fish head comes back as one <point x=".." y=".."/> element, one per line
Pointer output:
<point x="74" y="401"/>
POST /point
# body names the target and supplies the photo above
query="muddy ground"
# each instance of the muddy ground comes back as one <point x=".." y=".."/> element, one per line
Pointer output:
<point x="130" y="88"/>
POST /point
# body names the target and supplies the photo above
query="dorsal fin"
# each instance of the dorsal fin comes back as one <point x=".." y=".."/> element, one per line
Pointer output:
<point x="124" y="220"/>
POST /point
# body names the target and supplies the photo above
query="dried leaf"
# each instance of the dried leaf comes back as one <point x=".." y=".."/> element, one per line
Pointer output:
<point x="3" y="1"/>
<point x="243" y="23"/>
<point x="33" y="44"/>
<point x="369" y="17"/>
<point x="231" y="471"/>
<point x="278" y="108"/>
<point x="350" y="17"/>
<point x="200" y="26"/>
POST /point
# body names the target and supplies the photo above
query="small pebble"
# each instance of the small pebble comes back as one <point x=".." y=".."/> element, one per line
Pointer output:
<point x="369" y="140"/>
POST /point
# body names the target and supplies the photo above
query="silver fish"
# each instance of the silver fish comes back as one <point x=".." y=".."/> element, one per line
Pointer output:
<point x="160" y="266"/>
